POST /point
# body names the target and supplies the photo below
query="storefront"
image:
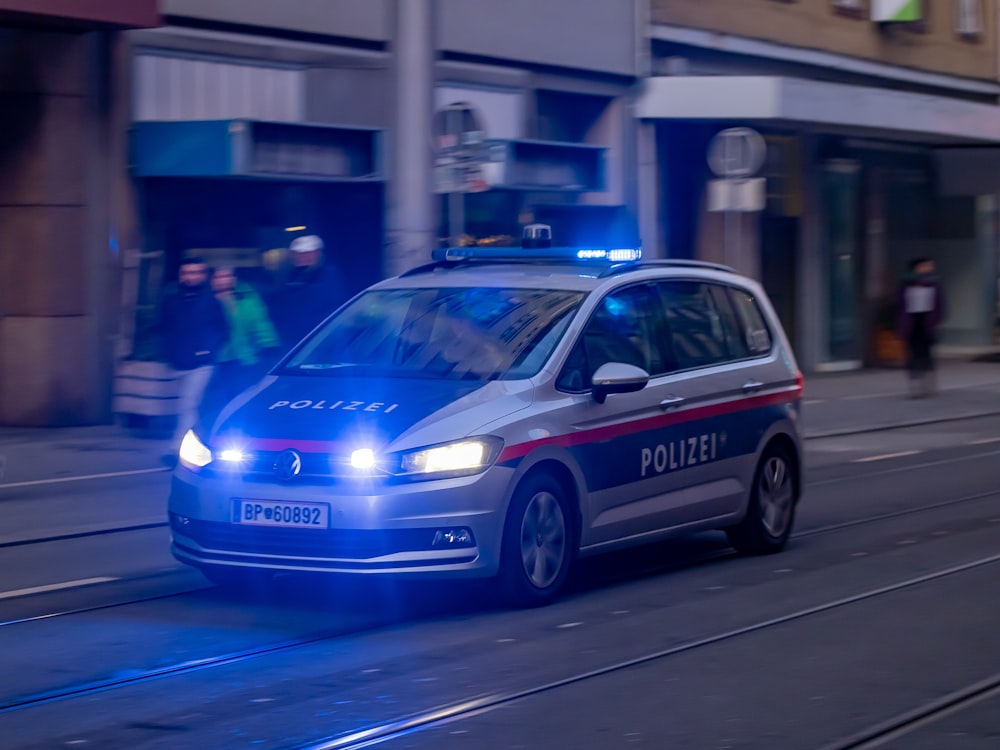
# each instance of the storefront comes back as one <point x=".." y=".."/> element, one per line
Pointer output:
<point x="237" y="192"/>
<point x="852" y="197"/>
<point x="497" y="168"/>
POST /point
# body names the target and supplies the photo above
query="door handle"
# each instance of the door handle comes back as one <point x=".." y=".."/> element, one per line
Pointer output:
<point x="671" y="402"/>
<point x="752" y="386"/>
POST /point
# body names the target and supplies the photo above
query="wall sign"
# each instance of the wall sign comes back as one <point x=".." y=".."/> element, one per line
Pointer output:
<point x="894" y="11"/>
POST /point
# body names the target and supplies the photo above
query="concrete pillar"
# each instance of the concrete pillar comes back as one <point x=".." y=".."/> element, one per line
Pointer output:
<point x="648" y="181"/>
<point x="411" y="219"/>
<point x="52" y="190"/>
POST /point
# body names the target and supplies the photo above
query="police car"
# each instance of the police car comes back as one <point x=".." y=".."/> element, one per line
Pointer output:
<point x="498" y="413"/>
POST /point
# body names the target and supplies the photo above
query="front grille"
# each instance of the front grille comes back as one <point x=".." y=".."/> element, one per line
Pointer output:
<point x="346" y="544"/>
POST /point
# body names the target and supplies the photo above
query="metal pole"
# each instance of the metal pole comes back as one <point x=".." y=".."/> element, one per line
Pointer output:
<point x="456" y="200"/>
<point x="456" y="216"/>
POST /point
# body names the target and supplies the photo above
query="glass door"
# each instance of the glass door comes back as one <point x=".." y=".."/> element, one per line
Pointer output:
<point x="842" y="261"/>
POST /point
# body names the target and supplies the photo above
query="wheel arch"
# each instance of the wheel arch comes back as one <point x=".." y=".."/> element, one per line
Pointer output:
<point x="562" y="473"/>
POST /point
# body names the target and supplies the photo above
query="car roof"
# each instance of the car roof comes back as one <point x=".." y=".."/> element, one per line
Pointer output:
<point x="541" y="273"/>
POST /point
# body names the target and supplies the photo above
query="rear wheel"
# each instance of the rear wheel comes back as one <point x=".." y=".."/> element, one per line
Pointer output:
<point x="538" y="542"/>
<point x="768" y="522"/>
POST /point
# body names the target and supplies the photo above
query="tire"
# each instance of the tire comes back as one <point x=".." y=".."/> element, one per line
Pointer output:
<point x="539" y="545"/>
<point x="771" y="512"/>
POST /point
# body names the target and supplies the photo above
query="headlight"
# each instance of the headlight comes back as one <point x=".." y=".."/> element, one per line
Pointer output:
<point x="469" y="456"/>
<point x="193" y="452"/>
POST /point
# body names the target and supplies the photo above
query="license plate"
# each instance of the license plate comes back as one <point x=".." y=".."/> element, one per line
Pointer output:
<point x="287" y="514"/>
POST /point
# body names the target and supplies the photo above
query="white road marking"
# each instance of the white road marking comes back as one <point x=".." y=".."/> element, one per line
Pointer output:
<point x="55" y="587"/>
<point x="80" y="478"/>
<point x="984" y="441"/>
<point x="569" y="625"/>
<point x="809" y="401"/>
<point x="884" y="456"/>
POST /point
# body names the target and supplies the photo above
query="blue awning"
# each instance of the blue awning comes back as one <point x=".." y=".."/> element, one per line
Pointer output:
<point x="254" y="149"/>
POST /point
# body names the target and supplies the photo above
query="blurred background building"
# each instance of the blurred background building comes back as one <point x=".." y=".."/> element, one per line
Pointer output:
<point x="138" y="131"/>
<point x="871" y="110"/>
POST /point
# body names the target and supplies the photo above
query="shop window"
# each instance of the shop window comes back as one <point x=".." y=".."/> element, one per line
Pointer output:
<point x="782" y="169"/>
<point x="567" y="117"/>
<point x="969" y="19"/>
<point x="850" y="8"/>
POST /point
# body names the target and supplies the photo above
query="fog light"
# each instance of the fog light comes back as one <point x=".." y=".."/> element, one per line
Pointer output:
<point x="460" y="537"/>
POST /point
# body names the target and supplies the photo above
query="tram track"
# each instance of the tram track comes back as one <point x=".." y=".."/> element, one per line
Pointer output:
<point x="475" y="706"/>
<point x="886" y="732"/>
<point x="470" y="706"/>
<point x="632" y="573"/>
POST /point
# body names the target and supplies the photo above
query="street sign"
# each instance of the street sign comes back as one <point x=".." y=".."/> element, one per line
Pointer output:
<point x="735" y="155"/>
<point x="736" y="195"/>
<point x="736" y="152"/>
<point x="460" y="150"/>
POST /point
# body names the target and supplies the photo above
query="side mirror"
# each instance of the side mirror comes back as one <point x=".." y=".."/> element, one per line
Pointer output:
<point x="617" y="377"/>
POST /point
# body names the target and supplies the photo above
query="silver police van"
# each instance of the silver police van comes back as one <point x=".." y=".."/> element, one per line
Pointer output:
<point x="498" y="413"/>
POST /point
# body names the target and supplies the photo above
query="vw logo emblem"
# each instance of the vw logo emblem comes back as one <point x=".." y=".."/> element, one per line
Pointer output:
<point x="288" y="465"/>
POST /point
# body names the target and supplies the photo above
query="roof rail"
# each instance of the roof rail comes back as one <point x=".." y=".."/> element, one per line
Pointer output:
<point x="668" y="263"/>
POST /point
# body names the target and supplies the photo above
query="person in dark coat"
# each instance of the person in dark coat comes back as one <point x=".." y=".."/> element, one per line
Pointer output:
<point x="310" y="293"/>
<point x="921" y="310"/>
<point x="193" y="330"/>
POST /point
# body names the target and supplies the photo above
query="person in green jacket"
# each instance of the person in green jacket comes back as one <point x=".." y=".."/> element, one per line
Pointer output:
<point x="253" y="344"/>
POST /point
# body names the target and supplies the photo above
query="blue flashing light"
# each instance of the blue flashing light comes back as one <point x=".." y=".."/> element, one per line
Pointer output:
<point x="600" y="254"/>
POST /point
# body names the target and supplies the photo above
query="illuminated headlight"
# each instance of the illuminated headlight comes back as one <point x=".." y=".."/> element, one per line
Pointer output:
<point x="363" y="458"/>
<point x="193" y="452"/>
<point x="469" y="456"/>
<point x="233" y="456"/>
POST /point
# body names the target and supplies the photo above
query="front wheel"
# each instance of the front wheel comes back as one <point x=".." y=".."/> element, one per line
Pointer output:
<point x="538" y="542"/>
<point x="768" y="522"/>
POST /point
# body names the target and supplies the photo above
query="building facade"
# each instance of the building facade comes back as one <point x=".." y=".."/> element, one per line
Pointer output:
<point x="243" y="125"/>
<point x="62" y="163"/>
<point x="139" y="131"/>
<point x="867" y="108"/>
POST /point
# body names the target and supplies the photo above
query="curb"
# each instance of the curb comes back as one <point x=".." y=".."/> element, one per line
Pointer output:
<point x="898" y="425"/>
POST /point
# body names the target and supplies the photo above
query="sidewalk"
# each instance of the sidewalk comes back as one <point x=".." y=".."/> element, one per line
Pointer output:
<point x="834" y="404"/>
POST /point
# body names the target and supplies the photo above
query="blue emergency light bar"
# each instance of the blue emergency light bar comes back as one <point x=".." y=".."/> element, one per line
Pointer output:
<point x="560" y="254"/>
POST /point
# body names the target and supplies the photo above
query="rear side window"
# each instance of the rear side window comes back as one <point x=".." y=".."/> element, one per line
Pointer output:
<point x="755" y="331"/>
<point x="700" y="334"/>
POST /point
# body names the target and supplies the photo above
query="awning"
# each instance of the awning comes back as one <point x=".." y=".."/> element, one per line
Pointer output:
<point x="254" y="149"/>
<point x="522" y="164"/>
<point x="821" y="106"/>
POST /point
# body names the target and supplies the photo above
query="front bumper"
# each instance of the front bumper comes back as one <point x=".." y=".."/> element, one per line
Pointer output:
<point x="400" y="529"/>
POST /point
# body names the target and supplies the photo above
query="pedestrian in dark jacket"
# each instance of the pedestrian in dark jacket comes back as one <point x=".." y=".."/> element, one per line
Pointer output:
<point x="921" y="310"/>
<point x="253" y="344"/>
<point x="310" y="293"/>
<point x="193" y="329"/>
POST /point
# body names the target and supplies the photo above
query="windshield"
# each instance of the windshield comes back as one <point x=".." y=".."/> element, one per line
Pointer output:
<point x="463" y="333"/>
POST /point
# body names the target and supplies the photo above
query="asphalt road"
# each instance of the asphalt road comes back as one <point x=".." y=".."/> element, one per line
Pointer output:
<point x="875" y="628"/>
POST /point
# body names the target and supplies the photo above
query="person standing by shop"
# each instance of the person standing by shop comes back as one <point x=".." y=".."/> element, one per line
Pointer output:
<point x="311" y="291"/>
<point x="921" y="309"/>
<point x="253" y="344"/>
<point x="193" y="329"/>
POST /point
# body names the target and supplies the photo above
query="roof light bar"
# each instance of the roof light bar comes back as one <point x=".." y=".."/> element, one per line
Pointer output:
<point x="576" y="254"/>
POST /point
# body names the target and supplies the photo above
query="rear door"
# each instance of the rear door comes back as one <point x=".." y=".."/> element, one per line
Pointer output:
<point x="629" y="447"/>
<point x="725" y="372"/>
